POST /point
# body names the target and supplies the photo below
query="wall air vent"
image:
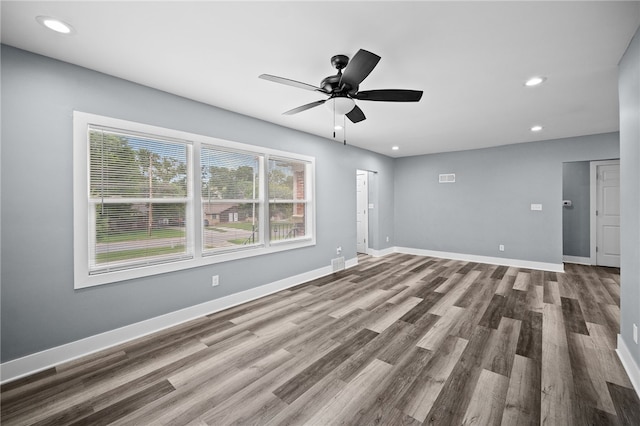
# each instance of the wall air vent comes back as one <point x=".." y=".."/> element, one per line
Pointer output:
<point x="447" y="178"/>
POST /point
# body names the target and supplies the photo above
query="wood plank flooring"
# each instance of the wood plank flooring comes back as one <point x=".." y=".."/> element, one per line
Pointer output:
<point x="398" y="340"/>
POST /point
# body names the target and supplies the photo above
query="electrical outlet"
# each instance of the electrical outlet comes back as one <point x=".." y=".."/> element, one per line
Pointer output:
<point x="339" y="250"/>
<point x="635" y="333"/>
<point x="501" y="247"/>
<point x="215" y="281"/>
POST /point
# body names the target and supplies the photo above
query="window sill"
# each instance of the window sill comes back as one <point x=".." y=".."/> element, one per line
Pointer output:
<point x="85" y="281"/>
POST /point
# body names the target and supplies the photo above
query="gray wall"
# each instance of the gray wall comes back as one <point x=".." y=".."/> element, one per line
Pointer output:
<point x="576" y="219"/>
<point x="40" y="308"/>
<point x="629" y="93"/>
<point x="490" y="202"/>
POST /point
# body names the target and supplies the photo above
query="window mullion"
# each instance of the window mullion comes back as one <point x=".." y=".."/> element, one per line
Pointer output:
<point x="265" y="234"/>
<point x="92" y="235"/>
<point x="196" y="230"/>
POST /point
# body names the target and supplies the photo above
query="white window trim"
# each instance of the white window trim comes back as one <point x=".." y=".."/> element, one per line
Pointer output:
<point x="81" y="237"/>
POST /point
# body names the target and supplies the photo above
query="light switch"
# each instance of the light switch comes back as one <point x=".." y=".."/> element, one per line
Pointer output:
<point x="370" y="205"/>
<point x="537" y="207"/>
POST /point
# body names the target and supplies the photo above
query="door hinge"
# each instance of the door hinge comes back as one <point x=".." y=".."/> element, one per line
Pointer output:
<point x="596" y="212"/>
<point x="596" y="249"/>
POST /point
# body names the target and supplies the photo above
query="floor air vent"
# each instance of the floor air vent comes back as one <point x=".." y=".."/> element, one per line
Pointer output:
<point x="337" y="264"/>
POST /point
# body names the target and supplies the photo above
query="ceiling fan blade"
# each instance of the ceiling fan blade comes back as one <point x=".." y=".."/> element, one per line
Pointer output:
<point x="356" y="115"/>
<point x="389" y="95"/>
<point x="289" y="82"/>
<point x="358" y="68"/>
<point x="303" y="107"/>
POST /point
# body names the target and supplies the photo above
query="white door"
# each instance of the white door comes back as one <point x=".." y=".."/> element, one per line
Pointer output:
<point x="608" y="215"/>
<point x="362" y="217"/>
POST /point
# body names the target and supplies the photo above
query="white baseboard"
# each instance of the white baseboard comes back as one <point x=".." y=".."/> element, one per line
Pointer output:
<point x="518" y="263"/>
<point x="350" y="263"/>
<point x="27" y="365"/>
<point x="629" y="364"/>
<point x="380" y="253"/>
<point x="577" y="259"/>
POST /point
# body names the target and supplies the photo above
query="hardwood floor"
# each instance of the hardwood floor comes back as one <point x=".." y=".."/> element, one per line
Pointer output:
<point x="396" y="340"/>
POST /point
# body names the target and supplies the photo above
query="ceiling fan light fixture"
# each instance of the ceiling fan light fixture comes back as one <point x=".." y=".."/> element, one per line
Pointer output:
<point x="535" y="81"/>
<point x="340" y="104"/>
<point x="55" y="24"/>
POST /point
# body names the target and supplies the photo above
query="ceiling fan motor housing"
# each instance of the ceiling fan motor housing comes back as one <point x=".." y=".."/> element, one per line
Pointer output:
<point x="331" y="84"/>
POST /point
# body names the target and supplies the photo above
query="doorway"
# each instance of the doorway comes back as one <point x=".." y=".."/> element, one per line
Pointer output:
<point x="362" y="216"/>
<point x="605" y="213"/>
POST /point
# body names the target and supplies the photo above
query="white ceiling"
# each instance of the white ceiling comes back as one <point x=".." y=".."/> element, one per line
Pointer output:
<point x="470" y="59"/>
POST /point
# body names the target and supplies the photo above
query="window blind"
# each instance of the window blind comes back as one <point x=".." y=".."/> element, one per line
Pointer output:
<point x="231" y="197"/>
<point x="138" y="200"/>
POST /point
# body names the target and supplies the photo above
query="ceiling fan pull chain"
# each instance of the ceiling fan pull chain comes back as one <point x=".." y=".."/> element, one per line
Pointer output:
<point x="344" y="129"/>
<point x="334" y="119"/>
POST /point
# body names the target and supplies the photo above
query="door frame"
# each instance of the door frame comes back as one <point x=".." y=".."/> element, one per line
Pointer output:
<point x="366" y="214"/>
<point x="593" y="203"/>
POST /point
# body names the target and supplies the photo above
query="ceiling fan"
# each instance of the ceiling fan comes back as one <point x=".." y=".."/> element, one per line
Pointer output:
<point x="343" y="87"/>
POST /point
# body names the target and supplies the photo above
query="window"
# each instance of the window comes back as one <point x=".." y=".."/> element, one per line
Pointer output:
<point x="230" y="199"/>
<point x="138" y="200"/>
<point x="288" y="198"/>
<point x="149" y="200"/>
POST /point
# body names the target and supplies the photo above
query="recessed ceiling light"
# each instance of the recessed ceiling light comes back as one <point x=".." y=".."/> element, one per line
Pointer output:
<point x="55" y="24"/>
<point x="338" y="127"/>
<point x="536" y="128"/>
<point x="534" y="81"/>
<point x="395" y="148"/>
